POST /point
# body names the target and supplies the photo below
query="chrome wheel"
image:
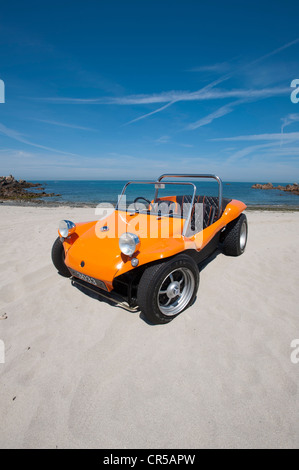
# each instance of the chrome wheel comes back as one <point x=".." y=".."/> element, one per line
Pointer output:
<point x="243" y="236"/>
<point x="176" y="291"/>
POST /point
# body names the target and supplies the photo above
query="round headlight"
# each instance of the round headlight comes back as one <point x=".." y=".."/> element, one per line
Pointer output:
<point x="66" y="228"/>
<point x="128" y="243"/>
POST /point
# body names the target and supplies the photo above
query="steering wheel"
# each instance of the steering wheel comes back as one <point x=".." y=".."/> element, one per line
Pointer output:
<point x="144" y="199"/>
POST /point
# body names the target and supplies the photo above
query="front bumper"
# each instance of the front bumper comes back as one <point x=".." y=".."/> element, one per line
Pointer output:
<point x="110" y="296"/>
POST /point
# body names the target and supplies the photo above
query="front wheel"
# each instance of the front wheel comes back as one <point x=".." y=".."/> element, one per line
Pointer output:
<point x="235" y="236"/>
<point x="58" y="256"/>
<point x="168" y="288"/>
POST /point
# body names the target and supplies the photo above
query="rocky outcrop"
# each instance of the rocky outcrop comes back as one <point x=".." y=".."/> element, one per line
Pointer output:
<point x="10" y="188"/>
<point x="292" y="188"/>
<point x="263" y="186"/>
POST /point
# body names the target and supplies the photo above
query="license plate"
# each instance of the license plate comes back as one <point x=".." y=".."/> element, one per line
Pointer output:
<point x="90" y="280"/>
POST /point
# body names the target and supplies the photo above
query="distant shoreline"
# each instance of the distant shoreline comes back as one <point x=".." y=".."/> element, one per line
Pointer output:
<point x="89" y="193"/>
<point x="52" y="204"/>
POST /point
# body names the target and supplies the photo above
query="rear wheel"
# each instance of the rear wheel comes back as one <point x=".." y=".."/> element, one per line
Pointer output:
<point x="58" y="256"/>
<point x="168" y="288"/>
<point x="235" y="236"/>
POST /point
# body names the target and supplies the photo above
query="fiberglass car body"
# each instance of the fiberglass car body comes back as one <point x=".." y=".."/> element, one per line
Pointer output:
<point x="146" y="256"/>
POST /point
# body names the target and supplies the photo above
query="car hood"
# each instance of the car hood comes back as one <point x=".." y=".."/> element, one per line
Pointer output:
<point x="96" y="253"/>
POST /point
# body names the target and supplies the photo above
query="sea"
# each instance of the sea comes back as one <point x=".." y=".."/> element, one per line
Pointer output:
<point x="89" y="192"/>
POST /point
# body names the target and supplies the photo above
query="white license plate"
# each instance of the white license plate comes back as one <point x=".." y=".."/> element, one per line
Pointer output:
<point x="90" y="280"/>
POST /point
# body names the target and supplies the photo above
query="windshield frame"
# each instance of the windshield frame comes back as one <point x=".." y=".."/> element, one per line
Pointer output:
<point x="176" y="183"/>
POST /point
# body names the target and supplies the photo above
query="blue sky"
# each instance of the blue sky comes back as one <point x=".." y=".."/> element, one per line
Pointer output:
<point x="118" y="90"/>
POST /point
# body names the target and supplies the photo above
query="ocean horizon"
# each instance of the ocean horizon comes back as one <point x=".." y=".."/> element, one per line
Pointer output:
<point x="97" y="191"/>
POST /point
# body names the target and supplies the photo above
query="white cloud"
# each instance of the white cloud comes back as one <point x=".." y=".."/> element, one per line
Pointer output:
<point x="246" y="97"/>
<point x="289" y="119"/>
<point x="247" y="151"/>
<point x="164" y="139"/>
<point x="271" y="149"/>
<point x="19" y="137"/>
<point x="271" y="146"/>
<point x="222" y="111"/>
<point x="63" y="124"/>
<point x="290" y="136"/>
<point x="275" y="51"/>
<point x="170" y="97"/>
<point x="151" y="113"/>
<point x="208" y="92"/>
<point x="217" y="67"/>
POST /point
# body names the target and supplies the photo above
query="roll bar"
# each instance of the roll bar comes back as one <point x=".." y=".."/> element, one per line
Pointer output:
<point x="219" y="181"/>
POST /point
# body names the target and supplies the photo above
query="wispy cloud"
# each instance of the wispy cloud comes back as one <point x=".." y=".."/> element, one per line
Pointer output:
<point x="174" y="96"/>
<point x="150" y="114"/>
<point x="19" y="137"/>
<point x="272" y="144"/>
<point x="275" y="51"/>
<point x="168" y="97"/>
<point x="164" y="139"/>
<point x="290" y="136"/>
<point x="67" y="100"/>
<point x="64" y="124"/>
<point x="208" y="92"/>
<point x="171" y="97"/>
<point x="198" y="93"/>
<point x="270" y="149"/>
<point x="216" y="68"/>
<point x="289" y="119"/>
<point x="244" y="152"/>
<point x="283" y="152"/>
<point x="246" y="97"/>
<point x="222" y="111"/>
<point x="205" y="93"/>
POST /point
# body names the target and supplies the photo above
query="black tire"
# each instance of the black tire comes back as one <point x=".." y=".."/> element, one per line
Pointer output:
<point x="58" y="256"/>
<point x="235" y="236"/>
<point x="184" y="272"/>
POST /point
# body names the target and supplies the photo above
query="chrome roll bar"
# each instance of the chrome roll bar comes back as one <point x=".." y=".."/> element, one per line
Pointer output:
<point x="188" y="219"/>
<point x="219" y="181"/>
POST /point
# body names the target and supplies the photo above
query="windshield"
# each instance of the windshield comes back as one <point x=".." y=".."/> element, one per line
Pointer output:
<point x="156" y="198"/>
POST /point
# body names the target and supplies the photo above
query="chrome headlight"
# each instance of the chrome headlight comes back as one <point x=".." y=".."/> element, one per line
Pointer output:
<point x="128" y="243"/>
<point x="66" y="228"/>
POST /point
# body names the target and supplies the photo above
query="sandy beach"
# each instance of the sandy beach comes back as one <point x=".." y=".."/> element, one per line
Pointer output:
<point x="81" y="373"/>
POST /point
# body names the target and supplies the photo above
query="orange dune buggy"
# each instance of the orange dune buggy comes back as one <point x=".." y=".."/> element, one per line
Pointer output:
<point x="144" y="254"/>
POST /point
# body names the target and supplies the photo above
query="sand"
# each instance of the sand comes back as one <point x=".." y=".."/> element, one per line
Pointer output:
<point x="81" y="373"/>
